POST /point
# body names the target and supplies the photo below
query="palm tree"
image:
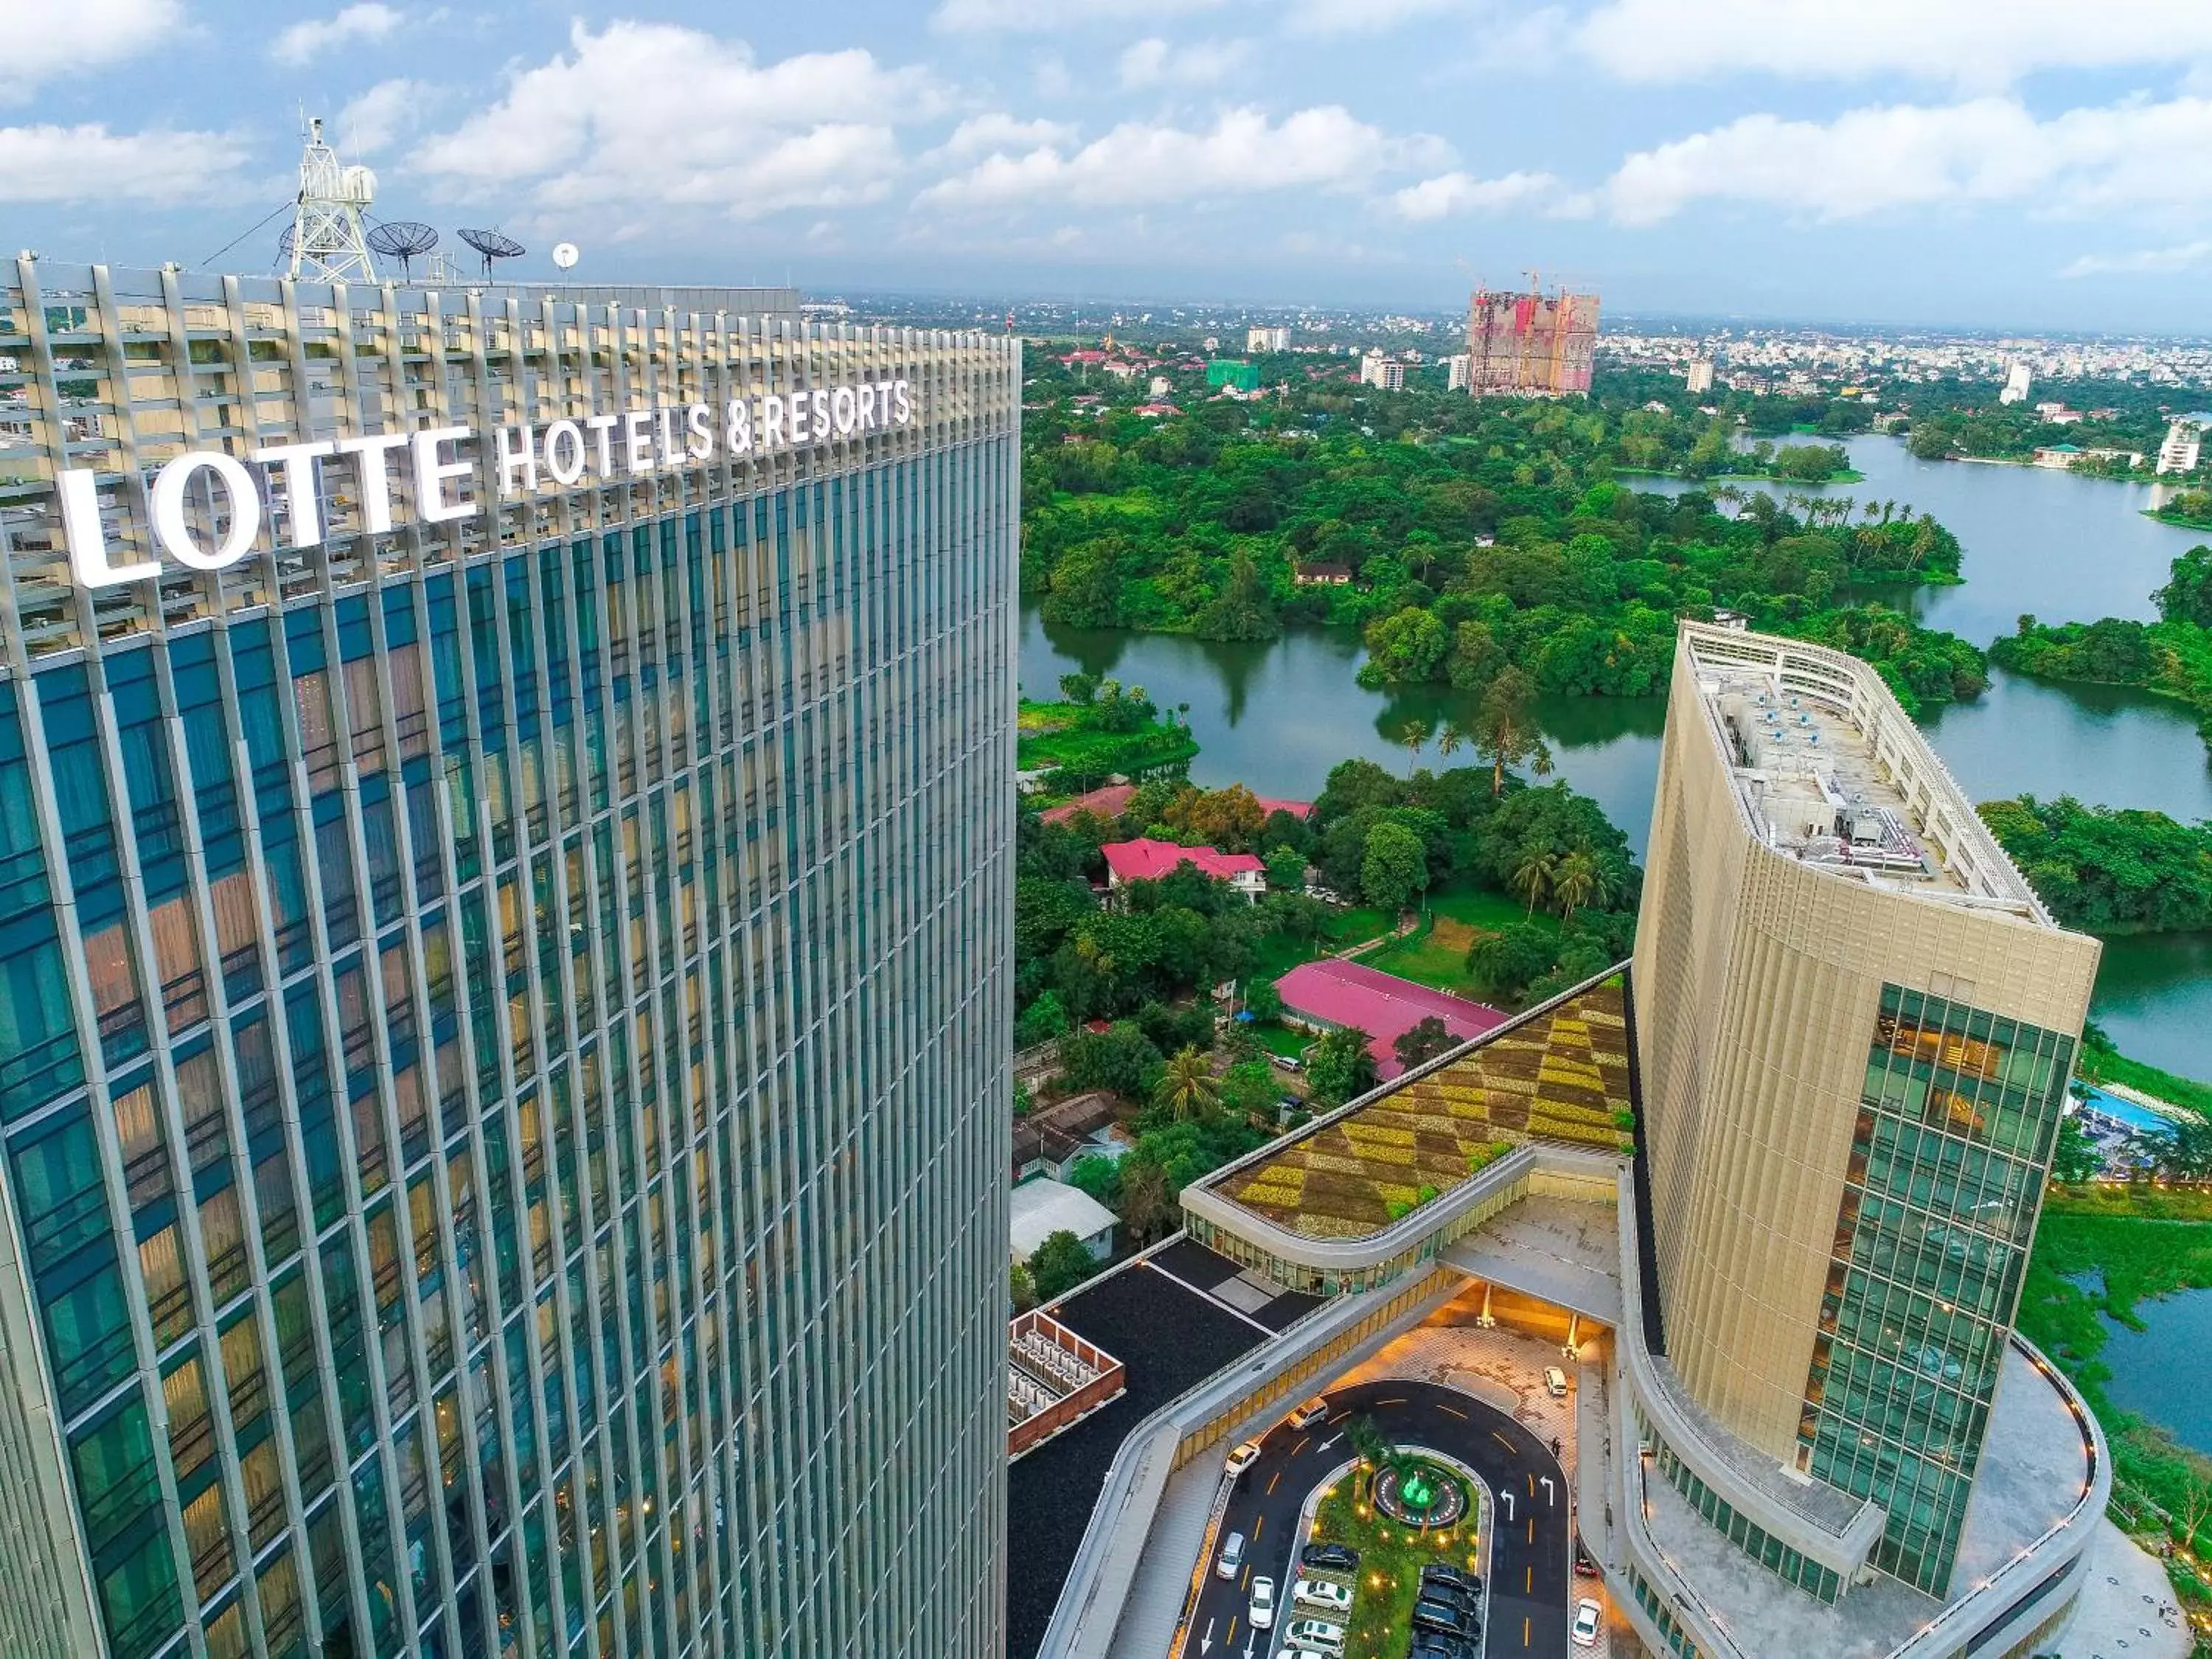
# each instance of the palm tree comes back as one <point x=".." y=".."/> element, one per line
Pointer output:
<point x="1188" y="1087"/>
<point x="1532" y="875"/>
<point x="1370" y="1444"/>
<point x="1449" y="739"/>
<point x="1414" y="733"/>
<point x="1144" y="1201"/>
<point x="1573" y="880"/>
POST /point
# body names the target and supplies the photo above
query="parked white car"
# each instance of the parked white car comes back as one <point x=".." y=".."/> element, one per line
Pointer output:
<point x="1310" y="1413"/>
<point x="1262" y="1613"/>
<point x="1243" y="1458"/>
<point x="1588" y="1619"/>
<point x="1317" y="1633"/>
<point x="1320" y="1593"/>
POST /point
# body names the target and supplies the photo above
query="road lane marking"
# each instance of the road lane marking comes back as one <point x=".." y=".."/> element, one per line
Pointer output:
<point x="1262" y="1522"/>
<point x="1271" y="1479"/>
<point x="1532" y="1484"/>
<point x="1532" y="1530"/>
<point x="1453" y="1410"/>
<point x="1301" y="1446"/>
<point x="1524" y="1632"/>
<point x="1503" y="1442"/>
<point x="1204" y="1296"/>
<point x="1528" y="1584"/>
<point x="1399" y="1401"/>
<point x="1231" y="1638"/>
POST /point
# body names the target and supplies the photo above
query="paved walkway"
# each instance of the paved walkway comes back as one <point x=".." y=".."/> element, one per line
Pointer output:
<point x="2119" y="1615"/>
<point x="1499" y="1367"/>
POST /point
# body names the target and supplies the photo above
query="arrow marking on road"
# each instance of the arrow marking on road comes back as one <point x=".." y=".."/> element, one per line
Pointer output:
<point x="1326" y="1443"/>
<point x="1551" y="1497"/>
<point x="1506" y="1498"/>
<point x="1207" y="1640"/>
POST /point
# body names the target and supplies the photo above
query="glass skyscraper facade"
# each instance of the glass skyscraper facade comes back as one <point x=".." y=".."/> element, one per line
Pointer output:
<point x="1954" y="1136"/>
<point x="503" y="1001"/>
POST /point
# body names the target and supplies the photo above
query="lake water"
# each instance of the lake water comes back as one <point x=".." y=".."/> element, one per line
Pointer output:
<point x="2159" y="1373"/>
<point x="1277" y="716"/>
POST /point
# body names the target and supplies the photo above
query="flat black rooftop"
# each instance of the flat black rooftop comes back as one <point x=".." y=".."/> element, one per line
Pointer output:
<point x="1162" y="1318"/>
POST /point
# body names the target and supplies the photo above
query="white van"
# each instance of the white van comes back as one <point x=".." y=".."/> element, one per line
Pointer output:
<point x="1310" y="1413"/>
<point x="1555" y="1382"/>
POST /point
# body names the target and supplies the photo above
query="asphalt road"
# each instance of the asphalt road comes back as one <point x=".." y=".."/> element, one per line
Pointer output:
<point x="1527" y="1572"/>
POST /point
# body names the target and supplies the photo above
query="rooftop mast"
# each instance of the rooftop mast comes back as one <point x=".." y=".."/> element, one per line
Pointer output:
<point x="327" y="242"/>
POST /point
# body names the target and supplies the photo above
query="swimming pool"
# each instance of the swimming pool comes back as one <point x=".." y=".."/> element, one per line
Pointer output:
<point x="2141" y="1119"/>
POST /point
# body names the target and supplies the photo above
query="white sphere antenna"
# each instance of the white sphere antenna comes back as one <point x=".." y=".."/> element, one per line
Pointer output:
<point x="564" y="254"/>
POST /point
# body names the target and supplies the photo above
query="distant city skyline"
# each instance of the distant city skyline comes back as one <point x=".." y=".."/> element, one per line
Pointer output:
<point x="1688" y="157"/>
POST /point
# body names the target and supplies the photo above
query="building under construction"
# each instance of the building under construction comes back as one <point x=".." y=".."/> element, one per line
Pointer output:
<point x="1533" y="344"/>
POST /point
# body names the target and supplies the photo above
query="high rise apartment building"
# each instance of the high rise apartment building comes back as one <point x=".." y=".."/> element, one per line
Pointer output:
<point x="505" y="907"/>
<point x="1533" y="344"/>
<point x="1856" y="1022"/>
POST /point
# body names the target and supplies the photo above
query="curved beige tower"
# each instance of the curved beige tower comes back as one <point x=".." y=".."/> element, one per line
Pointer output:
<point x="1855" y="1027"/>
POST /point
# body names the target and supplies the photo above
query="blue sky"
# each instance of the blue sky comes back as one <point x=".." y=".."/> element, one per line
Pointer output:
<point x="2003" y="163"/>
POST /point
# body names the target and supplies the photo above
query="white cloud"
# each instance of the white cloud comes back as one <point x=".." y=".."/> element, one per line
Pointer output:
<point x="1044" y="17"/>
<point x="88" y="163"/>
<point x="305" y="41"/>
<point x="46" y="38"/>
<point x="981" y="135"/>
<point x="674" y="118"/>
<point x="1974" y="43"/>
<point x="1152" y="63"/>
<point x="1988" y="149"/>
<point x="1364" y="16"/>
<point x="1139" y="163"/>
<point x="2149" y="261"/>
<point x="1452" y="194"/>
<point x="387" y="111"/>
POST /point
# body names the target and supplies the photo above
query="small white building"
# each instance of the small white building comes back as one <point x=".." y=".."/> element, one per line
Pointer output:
<point x="1044" y="1206"/>
<point x="1266" y="339"/>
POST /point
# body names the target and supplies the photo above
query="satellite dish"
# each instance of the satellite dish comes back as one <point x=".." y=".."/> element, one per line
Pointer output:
<point x="564" y="254"/>
<point x="493" y="244"/>
<point x="402" y="239"/>
<point x="284" y="243"/>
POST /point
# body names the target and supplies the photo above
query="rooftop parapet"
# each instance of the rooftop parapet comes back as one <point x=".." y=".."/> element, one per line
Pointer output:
<point x="1829" y="769"/>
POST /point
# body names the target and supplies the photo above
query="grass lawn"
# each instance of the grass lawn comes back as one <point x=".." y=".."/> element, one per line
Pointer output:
<point x="2100" y="1250"/>
<point x="1434" y="952"/>
<point x="1281" y="1039"/>
<point x="1391" y="1558"/>
<point x="1278" y="955"/>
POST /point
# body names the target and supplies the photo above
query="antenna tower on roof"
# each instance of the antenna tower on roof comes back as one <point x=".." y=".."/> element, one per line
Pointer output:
<point x="327" y="242"/>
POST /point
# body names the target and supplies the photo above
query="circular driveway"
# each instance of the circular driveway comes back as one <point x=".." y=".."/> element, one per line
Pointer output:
<point x="1527" y="1573"/>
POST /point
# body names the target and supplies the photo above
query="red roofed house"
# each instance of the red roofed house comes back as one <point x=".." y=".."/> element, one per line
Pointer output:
<point x="1144" y="860"/>
<point x="1111" y="802"/>
<point x="1298" y="809"/>
<point x="1333" y="993"/>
